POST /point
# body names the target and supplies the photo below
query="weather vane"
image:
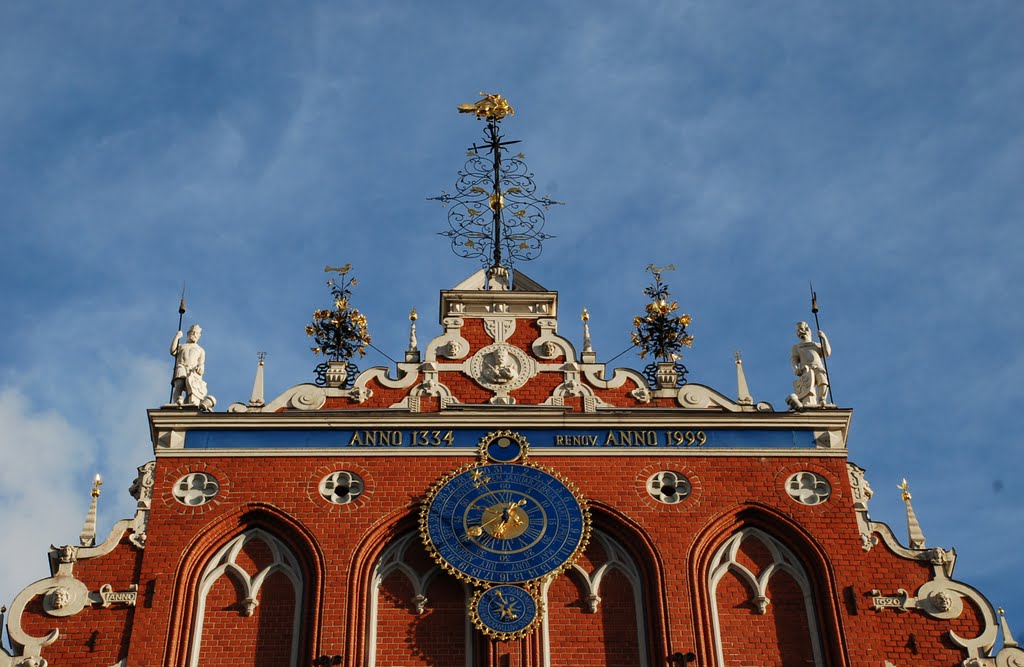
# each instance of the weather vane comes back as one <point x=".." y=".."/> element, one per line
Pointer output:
<point x="495" y="215"/>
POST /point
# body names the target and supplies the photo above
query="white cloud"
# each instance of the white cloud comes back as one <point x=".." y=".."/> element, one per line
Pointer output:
<point x="43" y="482"/>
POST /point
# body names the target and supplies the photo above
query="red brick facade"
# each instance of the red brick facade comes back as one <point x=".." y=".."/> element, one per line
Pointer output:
<point x="644" y="591"/>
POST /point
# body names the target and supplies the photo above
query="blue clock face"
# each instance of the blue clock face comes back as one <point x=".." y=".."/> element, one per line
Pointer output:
<point x="505" y="612"/>
<point x="504" y="523"/>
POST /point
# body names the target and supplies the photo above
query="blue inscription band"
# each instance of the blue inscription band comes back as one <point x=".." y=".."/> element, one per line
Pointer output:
<point x="545" y="439"/>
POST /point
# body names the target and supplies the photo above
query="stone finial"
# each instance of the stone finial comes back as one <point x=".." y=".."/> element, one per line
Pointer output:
<point x="88" y="536"/>
<point x="1008" y="639"/>
<point x="743" y="396"/>
<point x="587" y="355"/>
<point x="913" y="526"/>
<point x="412" y="355"/>
<point x="498" y="279"/>
<point x="256" y="400"/>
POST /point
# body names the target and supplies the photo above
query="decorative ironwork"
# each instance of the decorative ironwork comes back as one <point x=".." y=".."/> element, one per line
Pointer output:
<point x="495" y="214"/>
<point x="339" y="333"/>
<point x="659" y="332"/>
<point x="320" y="375"/>
<point x="650" y="372"/>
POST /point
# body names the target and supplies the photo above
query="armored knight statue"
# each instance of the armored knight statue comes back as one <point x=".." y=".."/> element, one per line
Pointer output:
<point x="808" y="358"/>
<point x="189" y="366"/>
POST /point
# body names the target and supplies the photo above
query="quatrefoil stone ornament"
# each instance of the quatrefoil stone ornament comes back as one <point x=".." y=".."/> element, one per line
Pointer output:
<point x="197" y="488"/>
<point x="808" y="488"/>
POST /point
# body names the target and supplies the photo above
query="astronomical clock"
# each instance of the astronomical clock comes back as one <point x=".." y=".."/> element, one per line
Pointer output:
<point x="504" y="524"/>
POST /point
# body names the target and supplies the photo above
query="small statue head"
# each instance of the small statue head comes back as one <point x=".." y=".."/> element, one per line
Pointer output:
<point x="61" y="597"/>
<point x="194" y="332"/>
<point x="67" y="554"/>
<point x="942" y="601"/>
<point x="803" y="331"/>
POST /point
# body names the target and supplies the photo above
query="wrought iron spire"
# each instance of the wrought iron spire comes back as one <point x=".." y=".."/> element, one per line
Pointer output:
<point x="495" y="214"/>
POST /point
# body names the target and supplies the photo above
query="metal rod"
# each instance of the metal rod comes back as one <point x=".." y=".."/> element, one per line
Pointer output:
<point x="492" y="127"/>
<point x="817" y="327"/>
<point x="181" y="316"/>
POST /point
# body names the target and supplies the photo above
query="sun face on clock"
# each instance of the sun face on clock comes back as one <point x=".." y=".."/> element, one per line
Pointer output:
<point x="504" y="523"/>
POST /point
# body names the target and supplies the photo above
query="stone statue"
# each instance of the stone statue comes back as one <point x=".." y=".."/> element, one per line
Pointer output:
<point x="500" y="367"/>
<point x="189" y="366"/>
<point x="808" y="358"/>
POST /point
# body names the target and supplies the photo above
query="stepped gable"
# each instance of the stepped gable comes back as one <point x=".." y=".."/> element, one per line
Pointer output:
<point x="500" y="347"/>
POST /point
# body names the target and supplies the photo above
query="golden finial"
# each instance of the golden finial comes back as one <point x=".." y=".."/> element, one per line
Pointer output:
<point x="96" y="484"/>
<point x="261" y="356"/>
<point x="905" y="488"/>
<point x="491" y="107"/>
<point x="739" y="358"/>
<point x="585" y="316"/>
<point x="413" y="316"/>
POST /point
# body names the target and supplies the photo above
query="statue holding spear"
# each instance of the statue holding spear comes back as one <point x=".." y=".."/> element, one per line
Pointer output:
<point x="811" y="387"/>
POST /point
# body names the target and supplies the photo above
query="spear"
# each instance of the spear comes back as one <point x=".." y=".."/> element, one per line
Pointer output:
<point x="181" y="316"/>
<point x="817" y="327"/>
<point x="181" y="307"/>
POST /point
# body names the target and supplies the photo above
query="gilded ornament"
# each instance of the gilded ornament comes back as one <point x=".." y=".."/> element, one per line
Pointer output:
<point x="491" y="107"/>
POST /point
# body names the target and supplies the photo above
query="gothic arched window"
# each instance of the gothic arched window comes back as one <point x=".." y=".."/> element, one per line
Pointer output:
<point x="763" y="607"/>
<point x="250" y="600"/>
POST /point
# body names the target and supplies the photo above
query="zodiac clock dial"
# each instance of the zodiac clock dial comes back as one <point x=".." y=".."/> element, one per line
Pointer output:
<point x="504" y="523"/>
<point x="505" y="611"/>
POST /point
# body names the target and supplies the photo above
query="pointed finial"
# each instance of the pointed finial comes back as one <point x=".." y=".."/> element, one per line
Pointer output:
<point x="1008" y="639"/>
<point x="256" y="398"/>
<point x="412" y="355"/>
<point x="88" y="535"/>
<point x="587" y="354"/>
<point x="913" y="526"/>
<point x="743" y="396"/>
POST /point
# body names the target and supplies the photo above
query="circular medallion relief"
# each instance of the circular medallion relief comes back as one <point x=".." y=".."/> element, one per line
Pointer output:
<point x="668" y="487"/>
<point x="808" y="488"/>
<point x="342" y="487"/>
<point x="194" y="489"/>
<point x="501" y="367"/>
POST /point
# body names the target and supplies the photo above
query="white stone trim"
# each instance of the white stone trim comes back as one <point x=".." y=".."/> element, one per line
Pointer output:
<point x="783" y="560"/>
<point x="393" y="560"/>
<point x="597" y="375"/>
<point x="618" y="559"/>
<point x="223" y="562"/>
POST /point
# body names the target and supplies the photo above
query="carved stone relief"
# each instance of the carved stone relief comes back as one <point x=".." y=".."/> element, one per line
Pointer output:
<point x="499" y="329"/>
<point x="501" y="368"/>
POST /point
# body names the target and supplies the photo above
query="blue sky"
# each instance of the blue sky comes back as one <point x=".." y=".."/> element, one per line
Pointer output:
<point x="874" y="148"/>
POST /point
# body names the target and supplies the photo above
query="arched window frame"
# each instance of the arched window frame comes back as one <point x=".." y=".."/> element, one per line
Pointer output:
<point x="783" y="560"/>
<point x="223" y="562"/>
<point x="618" y="559"/>
<point x="393" y="559"/>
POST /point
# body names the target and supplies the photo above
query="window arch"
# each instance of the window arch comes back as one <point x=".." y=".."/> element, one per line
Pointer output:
<point x="413" y="596"/>
<point x="246" y="571"/>
<point x="609" y="596"/>
<point x="745" y="573"/>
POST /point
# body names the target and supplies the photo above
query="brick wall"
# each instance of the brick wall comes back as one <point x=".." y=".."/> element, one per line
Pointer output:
<point x="671" y="545"/>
